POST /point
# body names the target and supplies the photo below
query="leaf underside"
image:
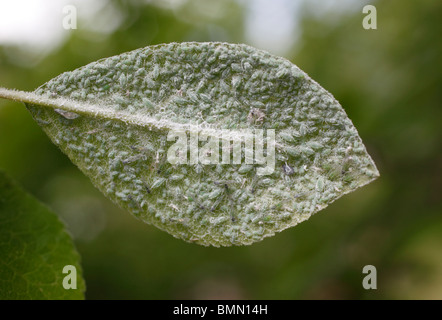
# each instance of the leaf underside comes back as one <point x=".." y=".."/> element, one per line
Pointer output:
<point x="319" y="155"/>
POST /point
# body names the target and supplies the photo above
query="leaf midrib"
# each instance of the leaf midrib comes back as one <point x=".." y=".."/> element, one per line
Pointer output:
<point x="99" y="112"/>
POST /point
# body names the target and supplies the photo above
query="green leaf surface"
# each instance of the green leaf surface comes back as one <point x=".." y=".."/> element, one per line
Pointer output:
<point x="34" y="248"/>
<point x="112" y="118"/>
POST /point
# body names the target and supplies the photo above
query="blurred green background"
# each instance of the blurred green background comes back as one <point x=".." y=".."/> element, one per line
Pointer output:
<point x="388" y="81"/>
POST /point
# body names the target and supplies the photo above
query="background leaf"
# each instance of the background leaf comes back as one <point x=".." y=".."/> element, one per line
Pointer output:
<point x="34" y="248"/>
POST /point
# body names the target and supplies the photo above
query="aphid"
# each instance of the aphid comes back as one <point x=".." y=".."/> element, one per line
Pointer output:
<point x="266" y="182"/>
<point x="156" y="72"/>
<point x="253" y="184"/>
<point x="320" y="184"/>
<point x="215" y="194"/>
<point x="236" y="67"/>
<point x="158" y="182"/>
<point x="216" y="203"/>
<point x="256" y="115"/>
<point x="236" y="80"/>
<point x="174" y="207"/>
<point x="223" y="182"/>
<point x="303" y="129"/>
<point x="134" y="158"/>
<point x="67" y="114"/>
<point x="307" y="150"/>
<point x="224" y="87"/>
<point x="192" y="96"/>
<point x="245" y="168"/>
<point x="286" y="136"/>
<point x="246" y="65"/>
<point x="176" y="177"/>
<point x="282" y="72"/>
<point x="147" y="188"/>
<point x="149" y="82"/>
<point x="287" y="169"/>
<point x="198" y="168"/>
<point x="292" y="151"/>
<point x="205" y="98"/>
<point x="41" y="121"/>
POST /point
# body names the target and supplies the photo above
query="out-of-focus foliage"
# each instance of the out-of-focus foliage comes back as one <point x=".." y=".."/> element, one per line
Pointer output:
<point x="34" y="249"/>
<point x="388" y="80"/>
